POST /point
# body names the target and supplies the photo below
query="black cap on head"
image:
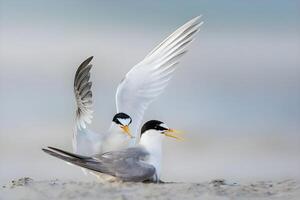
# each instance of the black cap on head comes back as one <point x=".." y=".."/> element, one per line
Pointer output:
<point x="119" y="116"/>
<point x="154" y="125"/>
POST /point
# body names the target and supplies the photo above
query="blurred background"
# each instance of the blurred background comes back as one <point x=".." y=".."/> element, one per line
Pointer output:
<point x="236" y="93"/>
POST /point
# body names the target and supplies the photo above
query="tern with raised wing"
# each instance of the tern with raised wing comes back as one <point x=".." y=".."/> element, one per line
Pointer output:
<point x="140" y="86"/>
<point x="134" y="164"/>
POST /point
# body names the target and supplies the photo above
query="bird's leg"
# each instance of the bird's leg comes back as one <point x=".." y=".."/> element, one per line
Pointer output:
<point x="156" y="178"/>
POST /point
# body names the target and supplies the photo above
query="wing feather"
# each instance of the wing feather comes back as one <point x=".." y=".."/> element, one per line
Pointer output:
<point x="83" y="94"/>
<point x="126" y="164"/>
<point x="147" y="80"/>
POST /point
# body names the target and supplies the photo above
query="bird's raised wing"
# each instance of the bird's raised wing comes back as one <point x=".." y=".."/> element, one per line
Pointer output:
<point x="146" y="80"/>
<point x="83" y="94"/>
<point x="126" y="164"/>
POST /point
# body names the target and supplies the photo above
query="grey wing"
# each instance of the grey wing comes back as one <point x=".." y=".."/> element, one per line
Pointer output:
<point x="128" y="164"/>
<point x="83" y="94"/>
<point x="137" y="152"/>
<point x="132" y="170"/>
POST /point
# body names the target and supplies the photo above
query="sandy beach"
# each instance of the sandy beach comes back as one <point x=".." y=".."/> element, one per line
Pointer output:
<point x="27" y="188"/>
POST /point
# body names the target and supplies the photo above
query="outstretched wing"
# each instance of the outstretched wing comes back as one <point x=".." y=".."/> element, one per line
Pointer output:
<point x="145" y="81"/>
<point x="83" y="94"/>
<point x="125" y="164"/>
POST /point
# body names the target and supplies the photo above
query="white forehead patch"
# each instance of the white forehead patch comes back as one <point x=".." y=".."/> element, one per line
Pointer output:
<point x="124" y="121"/>
<point x="164" y="126"/>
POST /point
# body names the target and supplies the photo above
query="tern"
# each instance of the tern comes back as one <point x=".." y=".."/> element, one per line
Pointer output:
<point x="137" y="90"/>
<point x="133" y="164"/>
<point x="86" y="141"/>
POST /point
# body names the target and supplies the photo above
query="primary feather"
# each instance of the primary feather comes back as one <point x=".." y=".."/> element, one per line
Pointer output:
<point x="83" y="94"/>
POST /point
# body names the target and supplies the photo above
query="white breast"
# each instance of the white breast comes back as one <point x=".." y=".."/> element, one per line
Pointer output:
<point x="86" y="142"/>
<point x="152" y="142"/>
<point x="115" y="141"/>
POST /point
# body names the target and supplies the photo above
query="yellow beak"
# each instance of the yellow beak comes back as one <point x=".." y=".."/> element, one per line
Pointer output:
<point x="172" y="133"/>
<point x="126" y="130"/>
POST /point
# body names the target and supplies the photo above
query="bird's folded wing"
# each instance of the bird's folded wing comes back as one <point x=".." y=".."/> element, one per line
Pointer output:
<point x="83" y="94"/>
<point x="145" y="81"/>
<point x="127" y="165"/>
<point x="136" y="152"/>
